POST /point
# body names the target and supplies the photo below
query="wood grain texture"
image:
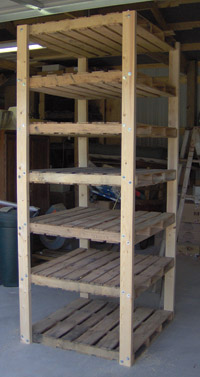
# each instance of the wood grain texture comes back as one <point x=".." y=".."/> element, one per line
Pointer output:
<point x="23" y="184"/>
<point x="98" y="129"/>
<point x="100" y="176"/>
<point x="172" y="187"/>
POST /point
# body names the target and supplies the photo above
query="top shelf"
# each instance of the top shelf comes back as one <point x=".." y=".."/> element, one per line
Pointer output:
<point x="96" y="36"/>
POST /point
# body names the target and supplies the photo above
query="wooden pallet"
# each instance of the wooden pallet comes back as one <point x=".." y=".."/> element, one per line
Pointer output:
<point x="100" y="176"/>
<point x="111" y="129"/>
<point x="92" y="327"/>
<point x="97" y="85"/>
<point x="96" y="36"/>
<point x="98" y="225"/>
<point x="98" y="272"/>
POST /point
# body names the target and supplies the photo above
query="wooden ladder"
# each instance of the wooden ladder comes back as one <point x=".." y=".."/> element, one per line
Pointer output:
<point x="194" y="144"/>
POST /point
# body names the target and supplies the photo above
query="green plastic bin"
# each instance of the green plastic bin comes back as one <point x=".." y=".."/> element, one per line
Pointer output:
<point x="8" y="247"/>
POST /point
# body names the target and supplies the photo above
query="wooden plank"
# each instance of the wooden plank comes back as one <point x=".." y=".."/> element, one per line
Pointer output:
<point x="94" y="42"/>
<point x="99" y="176"/>
<point x="76" y="24"/>
<point x="69" y="265"/>
<point x="67" y="324"/>
<point x="172" y="187"/>
<point x="153" y="272"/>
<point x="61" y="259"/>
<point x="96" y="332"/>
<point x="82" y="348"/>
<point x="150" y="327"/>
<point x="97" y="317"/>
<point x="76" y="286"/>
<point x="128" y="187"/>
<point x="68" y="79"/>
<point x="111" y="339"/>
<point x="23" y="184"/>
<point x="78" y="274"/>
<point x="97" y="129"/>
<point x="59" y="315"/>
<point x="58" y="216"/>
<point x="157" y="43"/>
<point x="81" y="266"/>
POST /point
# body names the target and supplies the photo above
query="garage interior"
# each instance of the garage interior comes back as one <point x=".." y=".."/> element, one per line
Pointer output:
<point x="100" y="146"/>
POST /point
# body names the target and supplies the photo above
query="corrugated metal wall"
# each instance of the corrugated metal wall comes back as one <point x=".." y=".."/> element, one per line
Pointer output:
<point x="155" y="110"/>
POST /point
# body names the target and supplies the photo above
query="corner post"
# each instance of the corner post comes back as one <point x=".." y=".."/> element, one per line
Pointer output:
<point x="128" y="188"/>
<point x="23" y="183"/>
<point x="172" y="187"/>
<point x="83" y="146"/>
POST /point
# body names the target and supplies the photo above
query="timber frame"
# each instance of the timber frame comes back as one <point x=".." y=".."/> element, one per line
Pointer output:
<point x="99" y="327"/>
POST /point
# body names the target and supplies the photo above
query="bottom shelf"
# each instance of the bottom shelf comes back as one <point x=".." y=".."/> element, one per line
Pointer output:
<point x="92" y="327"/>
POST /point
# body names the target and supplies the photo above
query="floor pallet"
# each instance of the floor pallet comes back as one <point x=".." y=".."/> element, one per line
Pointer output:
<point x="92" y="327"/>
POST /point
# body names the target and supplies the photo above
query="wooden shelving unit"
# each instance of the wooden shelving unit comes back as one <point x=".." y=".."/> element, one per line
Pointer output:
<point x="100" y="327"/>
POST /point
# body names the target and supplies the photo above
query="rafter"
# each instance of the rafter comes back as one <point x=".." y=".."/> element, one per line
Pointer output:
<point x="188" y="25"/>
<point x="190" y="46"/>
<point x="8" y="65"/>
<point x="9" y="26"/>
<point x="175" y="3"/>
<point x="159" y="17"/>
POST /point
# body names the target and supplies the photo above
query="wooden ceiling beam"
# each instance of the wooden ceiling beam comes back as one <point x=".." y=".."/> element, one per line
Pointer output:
<point x="175" y="3"/>
<point x="190" y="46"/>
<point x="7" y="65"/>
<point x="159" y="17"/>
<point x="9" y="26"/>
<point x="181" y="26"/>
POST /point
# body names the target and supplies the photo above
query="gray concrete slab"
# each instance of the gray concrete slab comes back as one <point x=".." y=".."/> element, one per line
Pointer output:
<point x="175" y="353"/>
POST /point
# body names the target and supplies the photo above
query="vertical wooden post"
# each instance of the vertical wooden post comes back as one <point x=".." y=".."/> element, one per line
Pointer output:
<point x="128" y="187"/>
<point x="191" y="94"/>
<point x="172" y="187"/>
<point x="23" y="183"/>
<point x="83" y="146"/>
<point x="42" y="106"/>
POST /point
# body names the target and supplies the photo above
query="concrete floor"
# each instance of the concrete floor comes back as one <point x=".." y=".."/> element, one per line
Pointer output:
<point x="175" y="353"/>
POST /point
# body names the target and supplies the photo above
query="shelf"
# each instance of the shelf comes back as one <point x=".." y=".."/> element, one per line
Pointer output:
<point x="99" y="176"/>
<point x="99" y="225"/>
<point x="98" y="272"/>
<point x="95" y="36"/>
<point x="98" y="129"/>
<point x="97" y="85"/>
<point x="92" y="327"/>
